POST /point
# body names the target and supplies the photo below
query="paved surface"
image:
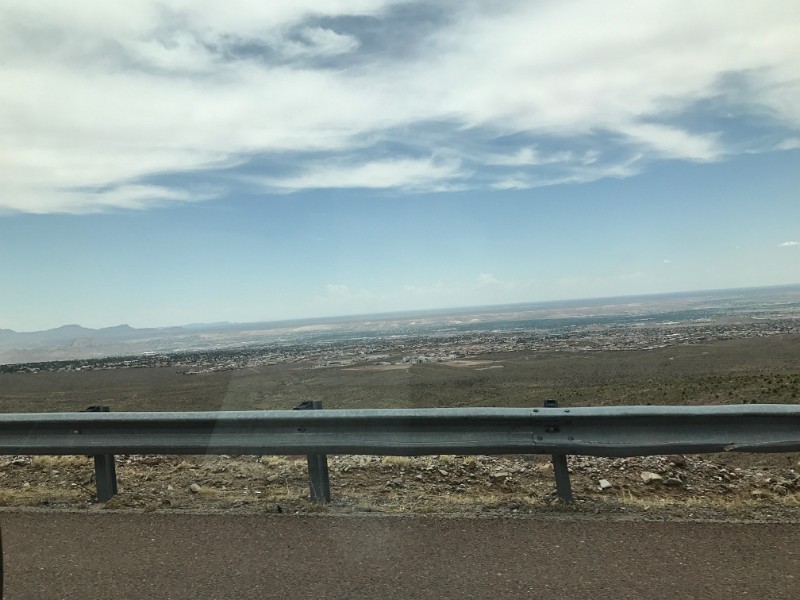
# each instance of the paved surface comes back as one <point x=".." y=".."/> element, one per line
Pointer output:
<point x="60" y="555"/>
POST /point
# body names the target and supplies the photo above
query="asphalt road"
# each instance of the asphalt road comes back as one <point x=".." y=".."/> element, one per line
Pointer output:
<point x="113" y="555"/>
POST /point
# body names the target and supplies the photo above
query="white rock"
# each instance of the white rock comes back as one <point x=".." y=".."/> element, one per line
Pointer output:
<point x="194" y="488"/>
<point x="605" y="484"/>
<point x="650" y="477"/>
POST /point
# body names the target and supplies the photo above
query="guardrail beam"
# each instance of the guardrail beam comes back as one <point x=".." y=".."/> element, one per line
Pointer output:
<point x="601" y="431"/>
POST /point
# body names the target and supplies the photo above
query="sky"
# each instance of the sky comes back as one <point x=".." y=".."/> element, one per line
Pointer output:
<point x="174" y="162"/>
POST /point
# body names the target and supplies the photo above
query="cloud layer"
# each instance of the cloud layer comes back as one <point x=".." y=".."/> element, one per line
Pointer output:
<point x="100" y="101"/>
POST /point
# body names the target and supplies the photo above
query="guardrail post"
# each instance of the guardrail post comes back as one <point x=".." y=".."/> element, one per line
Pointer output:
<point x="105" y="470"/>
<point x="560" y="467"/>
<point x="318" y="480"/>
<point x="561" y="470"/>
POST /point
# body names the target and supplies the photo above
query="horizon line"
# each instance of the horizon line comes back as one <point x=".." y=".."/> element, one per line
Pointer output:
<point x="409" y="312"/>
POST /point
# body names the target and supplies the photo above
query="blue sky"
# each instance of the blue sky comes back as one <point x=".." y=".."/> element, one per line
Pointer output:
<point x="165" y="163"/>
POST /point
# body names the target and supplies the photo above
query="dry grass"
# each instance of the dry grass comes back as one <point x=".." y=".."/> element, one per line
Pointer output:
<point x="37" y="495"/>
<point x="55" y="462"/>
<point x="734" y="503"/>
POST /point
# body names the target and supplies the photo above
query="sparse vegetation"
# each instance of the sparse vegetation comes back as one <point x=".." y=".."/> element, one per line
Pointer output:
<point x="464" y="485"/>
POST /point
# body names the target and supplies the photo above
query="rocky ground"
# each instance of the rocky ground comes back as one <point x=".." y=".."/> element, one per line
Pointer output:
<point x="726" y="487"/>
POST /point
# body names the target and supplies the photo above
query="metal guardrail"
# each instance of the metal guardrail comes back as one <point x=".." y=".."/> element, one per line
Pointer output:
<point x="605" y="431"/>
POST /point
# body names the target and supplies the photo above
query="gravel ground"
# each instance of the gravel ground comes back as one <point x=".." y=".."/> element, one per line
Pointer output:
<point x="764" y="488"/>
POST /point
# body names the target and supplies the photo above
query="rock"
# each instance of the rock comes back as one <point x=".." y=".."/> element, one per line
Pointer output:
<point x="170" y="488"/>
<point x="673" y="482"/>
<point x="604" y="484"/>
<point x="500" y="474"/>
<point x="759" y="493"/>
<point x="677" y="460"/>
<point x="780" y="490"/>
<point x="194" y="488"/>
<point x="443" y="473"/>
<point x="650" y="477"/>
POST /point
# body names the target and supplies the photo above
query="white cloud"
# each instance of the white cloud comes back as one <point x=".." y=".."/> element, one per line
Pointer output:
<point x="130" y="197"/>
<point x="584" y="172"/>
<point x="181" y="52"/>
<point x="401" y="173"/>
<point x="672" y="142"/>
<point x="530" y="156"/>
<point x="789" y="244"/>
<point x="317" y="41"/>
<point x="103" y="96"/>
<point x="792" y="143"/>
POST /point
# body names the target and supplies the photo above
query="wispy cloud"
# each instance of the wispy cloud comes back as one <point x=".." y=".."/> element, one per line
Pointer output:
<point x="788" y="144"/>
<point x="319" y="42"/>
<point x="485" y="279"/>
<point x="108" y="97"/>
<point x="392" y="173"/>
<point x="672" y="142"/>
<point x="530" y="156"/>
<point x="569" y="173"/>
<point x="789" y="244"/>
<point x="130" y="197"/>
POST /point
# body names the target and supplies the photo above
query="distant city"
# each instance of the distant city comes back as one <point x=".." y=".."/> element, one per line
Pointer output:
<point x="388" y="340"/>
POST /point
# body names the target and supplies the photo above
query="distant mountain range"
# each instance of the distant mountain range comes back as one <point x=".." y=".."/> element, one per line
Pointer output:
<point x="72" y="342"/>
<point x="76" y="342"/>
